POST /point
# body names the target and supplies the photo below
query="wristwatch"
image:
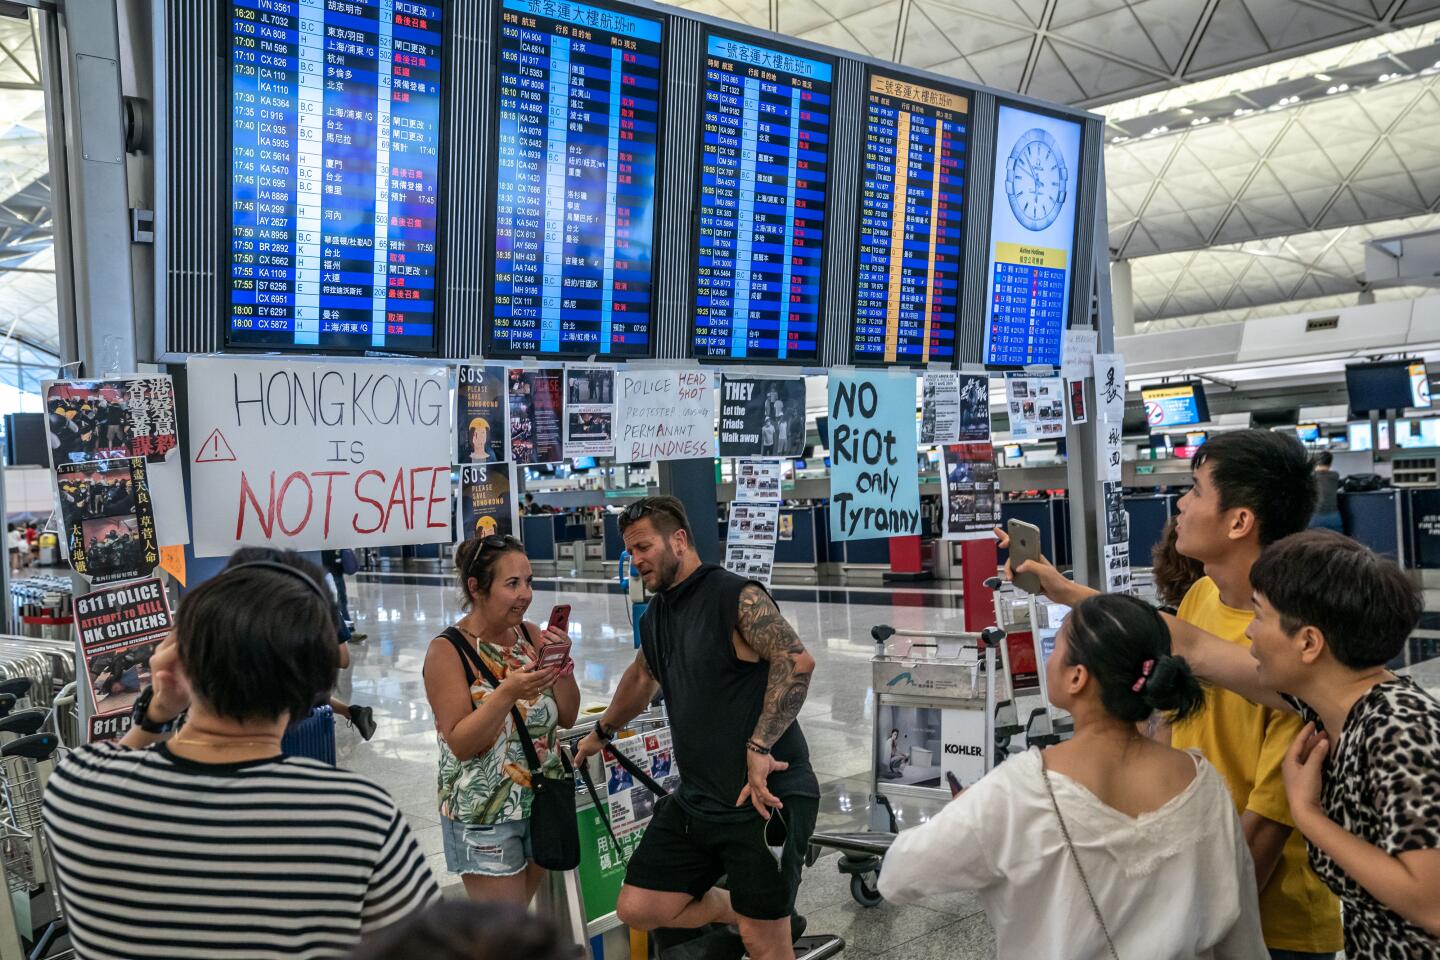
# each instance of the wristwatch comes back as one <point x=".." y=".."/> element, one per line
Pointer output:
<point x="139" y="714"/>
<point x="603" y="732"/>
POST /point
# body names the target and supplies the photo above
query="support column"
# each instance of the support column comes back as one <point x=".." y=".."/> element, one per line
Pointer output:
<point x="693" y="483"/>
<point x="1122" y="298"/>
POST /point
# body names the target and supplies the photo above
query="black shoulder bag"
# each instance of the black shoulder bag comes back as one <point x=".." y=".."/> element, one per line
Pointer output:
<point x="554" y="832"/>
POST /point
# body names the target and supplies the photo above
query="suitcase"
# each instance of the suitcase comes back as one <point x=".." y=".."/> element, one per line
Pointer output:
<point x="312" y="737"/>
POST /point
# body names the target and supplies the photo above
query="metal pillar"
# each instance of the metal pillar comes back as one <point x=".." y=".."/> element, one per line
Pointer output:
<point x="693" y="483"/>
<point x="92" y="197"/>
<point x="1083" y="444"/>
<point x="1122" y="298"/>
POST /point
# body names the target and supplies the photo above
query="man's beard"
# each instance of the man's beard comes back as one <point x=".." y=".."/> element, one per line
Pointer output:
<point x="666" y="570"/>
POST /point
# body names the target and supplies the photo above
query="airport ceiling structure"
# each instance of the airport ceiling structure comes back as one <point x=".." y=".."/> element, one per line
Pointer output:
<point x="1252" y="145"/>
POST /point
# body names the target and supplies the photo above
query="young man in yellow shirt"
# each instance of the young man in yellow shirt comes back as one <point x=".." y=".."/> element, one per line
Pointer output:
<point x="1251" y="488"/>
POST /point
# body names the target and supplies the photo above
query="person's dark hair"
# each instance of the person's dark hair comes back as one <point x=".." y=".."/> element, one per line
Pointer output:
<point x="1265" y="472"/>
<point x="1174" y="572"/>
<point x="1115" y="636"/>
<point x="465" y="930"/>
<point x="666" y="513"/>
<point x="257" y="642"/>
<point x="1324" y="459"/>
<point x="1362" y="602"/>
<point x="478" y="557"/>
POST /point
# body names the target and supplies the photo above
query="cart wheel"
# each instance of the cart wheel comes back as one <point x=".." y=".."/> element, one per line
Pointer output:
<point x="863" y="890"/>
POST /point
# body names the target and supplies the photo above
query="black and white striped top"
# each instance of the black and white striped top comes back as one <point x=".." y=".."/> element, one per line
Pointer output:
<point x="161" y="857"/>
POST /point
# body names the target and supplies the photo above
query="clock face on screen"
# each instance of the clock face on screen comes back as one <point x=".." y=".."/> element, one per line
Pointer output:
<point x="1035" y="179"/>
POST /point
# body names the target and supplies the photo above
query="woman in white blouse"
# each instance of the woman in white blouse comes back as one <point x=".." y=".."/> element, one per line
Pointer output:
<point x="1110" y="844"/>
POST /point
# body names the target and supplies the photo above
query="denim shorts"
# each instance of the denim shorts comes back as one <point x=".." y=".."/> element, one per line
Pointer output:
<point x="490" y="850"/>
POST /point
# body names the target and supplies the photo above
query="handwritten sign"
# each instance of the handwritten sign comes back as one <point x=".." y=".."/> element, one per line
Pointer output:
<point x="874" y="485"/>
<point x="318" y="454"/>
<point x="1110" y="386"/>
<point x="665" y="415"/>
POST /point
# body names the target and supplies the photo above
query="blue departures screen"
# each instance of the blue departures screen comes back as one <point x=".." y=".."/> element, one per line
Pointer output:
<point x="912" y="201"/>
<point x="1032" y="237"/>
<point x="766" y="117"/>
<point x="575" y="201"/>
<point x="335" y="159"/>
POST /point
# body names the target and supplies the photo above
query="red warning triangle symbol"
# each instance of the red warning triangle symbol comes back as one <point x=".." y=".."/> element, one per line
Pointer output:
<point x="215" y="449"/>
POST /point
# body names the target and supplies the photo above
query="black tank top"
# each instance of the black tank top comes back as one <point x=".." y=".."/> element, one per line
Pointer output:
<point x="713" y="697"/>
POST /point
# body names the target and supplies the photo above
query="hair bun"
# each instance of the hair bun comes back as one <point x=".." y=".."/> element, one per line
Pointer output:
<point x="1173" y="688"/>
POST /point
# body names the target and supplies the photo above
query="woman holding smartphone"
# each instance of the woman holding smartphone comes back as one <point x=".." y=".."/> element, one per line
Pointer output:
<point x="479" y="675"/>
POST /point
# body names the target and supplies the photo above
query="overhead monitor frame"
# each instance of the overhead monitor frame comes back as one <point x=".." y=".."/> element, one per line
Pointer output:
<point x="698" y="186"/>
<point x="493" y="191"/>
<point x="442" y="174"/>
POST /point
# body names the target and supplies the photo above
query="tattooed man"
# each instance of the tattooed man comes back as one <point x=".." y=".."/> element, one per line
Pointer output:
<point x="734" y="675"/>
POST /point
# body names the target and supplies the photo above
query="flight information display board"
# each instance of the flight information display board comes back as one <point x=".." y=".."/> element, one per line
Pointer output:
<point x="1032" y="236"/>
<point x="763" y="167"/>
<point x="578" y="132"/>
<point x="911" y="204"/>
<point x="335" y="168"/>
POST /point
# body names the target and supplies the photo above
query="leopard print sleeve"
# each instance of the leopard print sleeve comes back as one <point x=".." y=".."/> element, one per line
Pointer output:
<point x="1405" y="770"/>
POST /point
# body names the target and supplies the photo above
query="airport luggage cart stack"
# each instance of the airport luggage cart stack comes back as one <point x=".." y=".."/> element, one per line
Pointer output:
<point x="31" y="923"/>
<point x="1019" y="613"/>
<point x="954" y="673"/>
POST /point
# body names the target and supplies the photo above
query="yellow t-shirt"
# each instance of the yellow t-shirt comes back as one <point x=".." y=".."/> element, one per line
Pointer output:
<point x="1247" y="743"/>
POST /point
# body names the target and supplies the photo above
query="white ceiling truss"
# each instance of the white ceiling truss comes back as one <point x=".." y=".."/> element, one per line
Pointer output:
<point x="1080" y="52"/>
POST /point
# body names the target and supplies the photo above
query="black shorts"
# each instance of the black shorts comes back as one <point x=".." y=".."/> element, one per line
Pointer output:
<point x="681" y="853"/>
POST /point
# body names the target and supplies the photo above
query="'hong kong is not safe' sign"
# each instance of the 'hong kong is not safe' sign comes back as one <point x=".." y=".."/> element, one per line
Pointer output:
<point x="312" y="454"/>
<point x="874" y="482"/>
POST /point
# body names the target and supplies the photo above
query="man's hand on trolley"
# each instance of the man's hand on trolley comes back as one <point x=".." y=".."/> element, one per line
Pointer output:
<point x="589" y="746"/>
<point x="758" y="767"/>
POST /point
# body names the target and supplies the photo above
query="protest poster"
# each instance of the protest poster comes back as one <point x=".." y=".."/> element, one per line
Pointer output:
<point x="758" y="480"/>
<point x="1110" y="386"/>
<point x="630" y="803"/>
<point x="874" y="486"/>
<point x="1075" y="391"/>
<point x="480" y="414"/>
<point x="762" y="416"/>
<point x="1036" y="405"/>
<point x="1109" y="465"/>
<point x="589" y="412"/>
<point x="109" y="521"/>
<point x="1117" y="518"/>
<point x="751" y="561"/>
<point x="787" y="526"/>
<point x="753" y="523"/>
<point x="665" y="415"/>
<point x="312" y="454"/>
<point x="119" y="628"/>
<point x="117" y="419"/>
<point x="487" y="501"/>
<point x="537" y="412"/>
<point x="970" y="501"/>
<point x="1079" y="353"/>
<point x="974" y="409"/>
<point x="1117" y="568"/>
<point x="940" y="408"/>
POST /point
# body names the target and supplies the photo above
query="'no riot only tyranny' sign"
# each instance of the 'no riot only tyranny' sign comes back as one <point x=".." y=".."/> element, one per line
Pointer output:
<point x="310" y="454"/>
<point x="874" y="482"/>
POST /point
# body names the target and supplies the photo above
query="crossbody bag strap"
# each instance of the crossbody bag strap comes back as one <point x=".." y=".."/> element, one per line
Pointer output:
<point x="599" y="807"/>
<point x="1070" y="845"/>
<point x="468" y="657"/>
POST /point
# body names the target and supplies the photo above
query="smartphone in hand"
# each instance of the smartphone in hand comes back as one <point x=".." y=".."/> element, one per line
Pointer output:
<point x="553" y="655"/>
<point x="1025" y="545"/>
<point x="559" y="618"/>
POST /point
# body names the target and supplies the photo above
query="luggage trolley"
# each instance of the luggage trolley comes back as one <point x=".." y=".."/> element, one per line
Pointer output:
<point x="30" y="914"/>
<point x="931" y="684"/>
<point x="1019" y="613"/>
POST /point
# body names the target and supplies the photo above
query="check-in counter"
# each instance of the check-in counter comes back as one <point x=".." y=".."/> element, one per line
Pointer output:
<point x="1382" y="521"/>
<point x="550" y="540"/>
<point x="798" y="548"/>
<point x="862" y="561"/>
<point x="1148" y="514"/>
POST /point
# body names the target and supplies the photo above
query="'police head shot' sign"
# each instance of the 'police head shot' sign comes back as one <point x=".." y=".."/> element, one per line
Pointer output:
<point x="874" y="481"/>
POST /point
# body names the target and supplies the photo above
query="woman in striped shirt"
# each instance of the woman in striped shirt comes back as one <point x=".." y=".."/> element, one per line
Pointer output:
<point x="208" y="842"/>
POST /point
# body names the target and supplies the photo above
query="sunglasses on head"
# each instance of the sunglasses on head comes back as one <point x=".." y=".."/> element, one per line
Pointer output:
<point x="496" y="541"/>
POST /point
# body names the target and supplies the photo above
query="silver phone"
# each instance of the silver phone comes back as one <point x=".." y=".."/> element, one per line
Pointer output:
<point x="1024" y="545"/>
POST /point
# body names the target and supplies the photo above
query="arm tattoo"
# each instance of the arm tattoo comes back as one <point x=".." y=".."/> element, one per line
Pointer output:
<point x="767" y="633"/>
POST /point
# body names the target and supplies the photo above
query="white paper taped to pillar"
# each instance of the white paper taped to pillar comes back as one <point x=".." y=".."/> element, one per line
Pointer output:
<point x="313" y="454"/>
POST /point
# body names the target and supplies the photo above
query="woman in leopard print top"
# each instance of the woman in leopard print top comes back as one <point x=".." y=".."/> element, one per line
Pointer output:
<point x="1363" y="776"/>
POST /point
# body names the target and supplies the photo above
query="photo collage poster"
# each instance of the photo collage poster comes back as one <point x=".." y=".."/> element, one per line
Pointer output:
<point x="120" y="628"/>
<point x="1036" y="406"/>
<point x="755" y="520"/>
<point x="109" y="521"/>
<point x="630" y="804"/>
<point x="123" y="418"/>
<point x="537" y="411"/>
<point x="954" y="408"/>
<point x="970" y="501"/>
<point x="589" y="411"/>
